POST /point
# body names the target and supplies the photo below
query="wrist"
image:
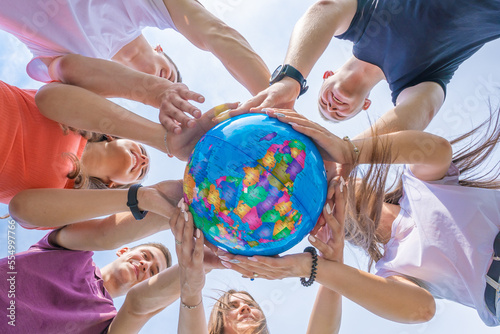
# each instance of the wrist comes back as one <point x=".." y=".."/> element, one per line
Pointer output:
<point x="142" y="195"/>
<point x="305" y="265"/>
<point x="133" y="202"/>
<point x="190" y="297"/>
<point x="351" y="151"/>
<point x="158" y="95"/>
<point x="292" y="85"/>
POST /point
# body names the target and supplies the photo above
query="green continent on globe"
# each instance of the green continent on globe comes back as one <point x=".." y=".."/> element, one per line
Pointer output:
<point x="252" y="204"/>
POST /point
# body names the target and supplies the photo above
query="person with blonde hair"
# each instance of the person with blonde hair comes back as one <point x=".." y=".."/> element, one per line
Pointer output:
<point x="437" y="235"/>
<point x="235" y="312"/>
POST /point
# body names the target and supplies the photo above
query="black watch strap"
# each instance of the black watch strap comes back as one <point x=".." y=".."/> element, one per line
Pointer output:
<point x="133" y="204"/>
<point x="287" y="70"/>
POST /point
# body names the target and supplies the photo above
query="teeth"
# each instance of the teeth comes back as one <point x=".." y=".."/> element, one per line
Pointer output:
<point x="134" y="161"/>
<point x="337" y="100"/>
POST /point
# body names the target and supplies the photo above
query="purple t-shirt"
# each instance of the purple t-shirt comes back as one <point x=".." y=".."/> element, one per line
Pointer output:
<point x="55" y="290"/>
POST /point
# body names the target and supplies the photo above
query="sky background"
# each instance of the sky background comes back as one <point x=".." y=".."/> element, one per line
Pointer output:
<point x="267" y="25"/>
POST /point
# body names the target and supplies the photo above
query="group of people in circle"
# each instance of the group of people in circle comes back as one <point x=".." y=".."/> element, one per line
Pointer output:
<point x="434" y="234"/>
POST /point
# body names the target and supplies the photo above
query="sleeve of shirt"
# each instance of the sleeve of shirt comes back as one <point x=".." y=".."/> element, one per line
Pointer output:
<point x="44" y="243"/>
<point x="451" y="177"/>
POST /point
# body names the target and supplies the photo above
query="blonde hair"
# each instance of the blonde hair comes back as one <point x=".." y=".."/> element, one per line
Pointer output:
<point x="217" y="317"/>
<point x="367" y="194"/>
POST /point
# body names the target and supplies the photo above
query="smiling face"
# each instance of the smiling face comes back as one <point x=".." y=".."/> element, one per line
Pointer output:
<point x="127" y="161"/>
<point x="243" y="314"/>
<point x="340" y="100"/>
<point x="136" y="265"/>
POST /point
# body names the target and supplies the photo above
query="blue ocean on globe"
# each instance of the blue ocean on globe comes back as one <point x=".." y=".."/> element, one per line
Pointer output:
<point x="254" y="185"/>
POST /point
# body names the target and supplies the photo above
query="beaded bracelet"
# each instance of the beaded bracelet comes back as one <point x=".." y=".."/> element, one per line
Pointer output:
<point x="191" y="307"/>
<point x="311" y="279"/>
<point x="166" y="145"/>
<point x="356" y="149"/>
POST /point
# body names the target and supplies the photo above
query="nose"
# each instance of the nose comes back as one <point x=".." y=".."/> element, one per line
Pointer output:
<point x="244" y="308"/>
<point x="144" y="160"/>
<point x="145" y="266"/>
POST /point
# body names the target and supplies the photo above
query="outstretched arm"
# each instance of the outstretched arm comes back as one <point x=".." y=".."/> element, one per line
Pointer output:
<point x="59" y="207"/>
<point x="190" y="254"/>
<point x="310" y="37"/>
<point x="109" y="233"/>
<point x="394" y="298"/>
<point x="111" y="79"/>
<point x="415" y="108"/>
<point x="209" y="33"/>
<point x="327" y="310"/>
<point x="84" y="110"/>
<point x="429" y="155"/>
<point x="145" y="300"/>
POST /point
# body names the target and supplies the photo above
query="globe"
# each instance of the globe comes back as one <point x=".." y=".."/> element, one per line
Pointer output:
<point x="254" y="185"/>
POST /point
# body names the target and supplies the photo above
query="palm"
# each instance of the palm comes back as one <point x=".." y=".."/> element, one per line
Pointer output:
<point x="181" y="145"/>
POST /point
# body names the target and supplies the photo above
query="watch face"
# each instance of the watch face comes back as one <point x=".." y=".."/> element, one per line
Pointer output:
<point x="276" y="74"/>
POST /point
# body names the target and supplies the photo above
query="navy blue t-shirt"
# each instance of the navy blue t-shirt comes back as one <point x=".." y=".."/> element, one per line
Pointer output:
<point x="415" y="41"/>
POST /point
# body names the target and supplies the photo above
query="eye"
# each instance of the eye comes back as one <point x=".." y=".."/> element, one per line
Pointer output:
<point x="145" y="255"/>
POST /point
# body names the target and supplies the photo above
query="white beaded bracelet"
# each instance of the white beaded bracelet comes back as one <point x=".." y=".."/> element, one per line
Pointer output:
<point x="190" y="307"/>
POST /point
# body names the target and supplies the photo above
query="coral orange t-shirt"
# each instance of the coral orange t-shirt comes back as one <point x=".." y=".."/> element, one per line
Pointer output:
<point x="32" y="147"/>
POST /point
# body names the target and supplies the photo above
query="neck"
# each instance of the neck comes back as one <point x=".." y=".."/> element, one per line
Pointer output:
<point x="388" y="215"/>
<point x="93" y="159"/>
<point x="109" y="283"/>
<point x="365" y="74"/>
<point x="134" y="52"/>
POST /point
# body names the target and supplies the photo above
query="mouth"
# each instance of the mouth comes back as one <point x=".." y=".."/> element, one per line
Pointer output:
<point x="246" y="318"/>
<point x="136" y="270"/>
<point x="135" y="161"/>
<point x="337" y="100"/>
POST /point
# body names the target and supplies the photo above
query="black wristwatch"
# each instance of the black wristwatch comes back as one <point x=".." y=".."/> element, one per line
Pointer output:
<point x="286" y="70"/>
<point x="133" y="204"/>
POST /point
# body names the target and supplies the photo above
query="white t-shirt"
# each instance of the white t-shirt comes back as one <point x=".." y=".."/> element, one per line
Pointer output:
<point x="443" y="237"/>
<point x="92" y="28"/>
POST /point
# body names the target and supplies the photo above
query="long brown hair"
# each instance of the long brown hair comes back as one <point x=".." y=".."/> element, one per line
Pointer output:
<point x="367" y="193"/>
<point x="78" y="174"/>
<point x="217" y="317"/>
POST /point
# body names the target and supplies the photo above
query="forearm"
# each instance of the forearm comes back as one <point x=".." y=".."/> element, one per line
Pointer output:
<point x="59" y="207"/>
<point x="396" y="301"/>
<point x="111" y="232"/>
<point x="192" y="320"/>
<point x="145" y="300"/>
<point x="415" y="108"/>
<point x="84" y="110"/>
<point x="156" y="293"/>
<point x="207" y="32"/>
<point x="327" y="312"/>
<point x="394" y="122"/>
<point x="108" y="78"/>
<point x="314" y="31"/>
<point x="239" y="58"/>
<point x="406" y="147"/>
